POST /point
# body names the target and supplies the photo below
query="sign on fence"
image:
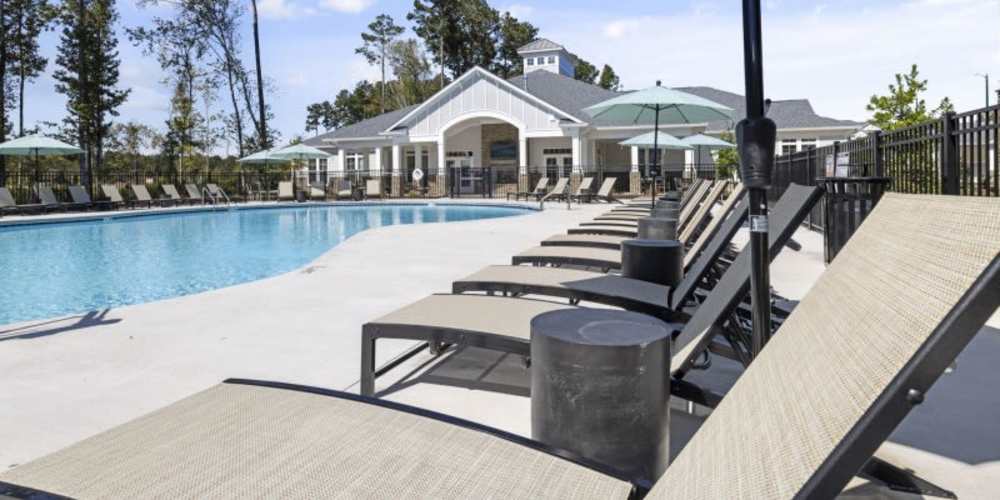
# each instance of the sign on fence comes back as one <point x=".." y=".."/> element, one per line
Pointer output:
<point x="841" y="168"/>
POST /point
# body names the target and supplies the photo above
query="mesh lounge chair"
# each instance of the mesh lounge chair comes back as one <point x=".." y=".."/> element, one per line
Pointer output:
<point x="114" y="196"/>
<point x="217" y="194"/>
<point x="558" y="191"/>
<point x="373" y="188"/>
<point x="9" y="205"/>
<point x="173" y="195"/>
<point x="142" y="196"/>
<point x="49" y="201"/>
<point x="285" y="191"/>
<point x="81" y="197"/>
<point x="536" y="193"/>
<point x="604" y="193"/>
<point x="583" y="190"/>
<point x="345" y="189"/>
<point x="317" y="191"/>
<point x="498" y="324"/>
<point x="917" y="314"/>
<point x="194" y="194"/>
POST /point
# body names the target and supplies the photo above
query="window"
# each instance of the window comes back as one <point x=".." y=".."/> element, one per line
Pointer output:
<point x="808" y="144"/>
<point x="557" y="151"/>
<point x="530" y="61"/>
<point x="552" y="59"/>
<point x="789" y="146"/>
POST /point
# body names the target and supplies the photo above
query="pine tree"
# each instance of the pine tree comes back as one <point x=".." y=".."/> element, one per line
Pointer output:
<point x="375" y="47"/>
<point x="30" y="18"/>
<point x="88" y="75"/>
<point x="609" y="80"/>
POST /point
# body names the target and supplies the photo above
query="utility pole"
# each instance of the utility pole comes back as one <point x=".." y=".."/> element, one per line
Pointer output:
<point x="986" y="83"/>
<point x="265" y="143"/>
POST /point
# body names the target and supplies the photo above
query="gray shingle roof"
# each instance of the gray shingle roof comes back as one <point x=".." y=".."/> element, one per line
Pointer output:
<point x="371" y="127"/>
<point x="540" y="44"/>
<point x="788" y="113"/>
<point x="563" y="92"/>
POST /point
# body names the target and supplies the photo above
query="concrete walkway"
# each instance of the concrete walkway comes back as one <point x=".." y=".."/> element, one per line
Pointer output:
<point x="67" y="379"/>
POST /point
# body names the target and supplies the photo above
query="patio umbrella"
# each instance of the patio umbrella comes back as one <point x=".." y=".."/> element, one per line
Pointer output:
<point x="298" y="152"/>
<point x="265" y="158"/>
<point x="657" y="105"/>
<point x="37" y="145"/>
<point x="662" y="140"/>
<point x="699" y="141"/>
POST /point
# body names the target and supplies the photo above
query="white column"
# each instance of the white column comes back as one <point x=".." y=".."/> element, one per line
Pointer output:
<point x="634" y="158"/>
<point x="440" y="157"/>
<point x="577" y="153"/>
<point x="418" y="156"/>
<point x="592" y="153"/>
<point x="397" y="159"/>
<point x="377" y="160"/>
<point x="522" y="150"/>
<point x="342" y="159"/>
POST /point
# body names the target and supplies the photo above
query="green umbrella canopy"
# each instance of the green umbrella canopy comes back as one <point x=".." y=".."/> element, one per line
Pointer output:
<point x="35" y="145"/>
<point x="265" y="157"/>
<point x="673" y="106"/>
<point x="706" y="141"/>
<point x="299" y="152"/>
<point x="663" y="140"/>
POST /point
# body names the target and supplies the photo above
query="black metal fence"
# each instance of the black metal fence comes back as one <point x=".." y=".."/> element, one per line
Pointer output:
<point x="956" y="154"/>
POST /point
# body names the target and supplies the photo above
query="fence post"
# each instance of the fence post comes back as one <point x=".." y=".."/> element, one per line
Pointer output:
<point x="949" y="156"/>
<point x="876" y="145"/>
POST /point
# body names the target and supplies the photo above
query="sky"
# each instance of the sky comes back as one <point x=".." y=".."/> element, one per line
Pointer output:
<point x="834" y="53"/>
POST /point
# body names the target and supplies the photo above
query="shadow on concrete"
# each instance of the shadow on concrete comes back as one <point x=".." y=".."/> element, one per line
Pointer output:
<point x="57" y="326"/>
<point x="470" y="368"/>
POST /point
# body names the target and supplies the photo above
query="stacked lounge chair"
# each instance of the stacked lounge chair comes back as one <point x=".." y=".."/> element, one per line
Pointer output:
<point x="912" y="287"/>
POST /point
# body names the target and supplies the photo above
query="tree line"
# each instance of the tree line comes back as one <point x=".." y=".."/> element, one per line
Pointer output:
<point x="218" y="94"/>
<point x="452" y="35"/>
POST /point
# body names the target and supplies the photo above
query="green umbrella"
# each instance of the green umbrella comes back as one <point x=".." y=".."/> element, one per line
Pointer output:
<point x="265" y="158"/>
<point x="663" y="140"/>
<point x="657" y="105"/>
<point x="37" y="145"/>
<point x="699" y="141"/>
<point x="299" y="152"/>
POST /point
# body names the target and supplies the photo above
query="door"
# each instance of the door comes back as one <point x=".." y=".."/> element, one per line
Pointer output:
<point x="468" y="177"/>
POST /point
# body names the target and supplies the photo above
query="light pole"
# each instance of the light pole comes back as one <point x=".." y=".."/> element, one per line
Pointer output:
<point x="986" y="83"/>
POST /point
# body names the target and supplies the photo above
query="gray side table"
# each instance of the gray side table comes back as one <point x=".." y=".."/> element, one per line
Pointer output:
<point x="600" y="387"/>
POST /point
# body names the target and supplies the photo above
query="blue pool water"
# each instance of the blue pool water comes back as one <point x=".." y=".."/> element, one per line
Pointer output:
<point x="49" y="270"/>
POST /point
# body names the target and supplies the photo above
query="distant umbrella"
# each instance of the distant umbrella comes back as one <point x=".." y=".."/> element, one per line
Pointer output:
<point x="265" y="158"/>
<point x="656" y="105"/>
<point x="37" y="145"/>
<point x="299" y="152"/>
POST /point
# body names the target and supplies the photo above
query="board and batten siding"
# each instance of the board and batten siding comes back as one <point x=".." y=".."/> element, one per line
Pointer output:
<point x="479" y="97"/>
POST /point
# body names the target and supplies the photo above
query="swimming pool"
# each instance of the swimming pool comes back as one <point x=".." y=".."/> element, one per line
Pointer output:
<point x="51" y="270"/>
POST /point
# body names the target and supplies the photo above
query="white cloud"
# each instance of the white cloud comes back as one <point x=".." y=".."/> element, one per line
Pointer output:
<point x="277" y="9"/>
<point x="836" y="60"/>
<point x="349" y="6"/>
<point x="621" y="28"/>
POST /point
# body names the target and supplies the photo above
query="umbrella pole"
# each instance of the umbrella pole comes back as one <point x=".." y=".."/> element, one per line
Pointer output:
<point x="756" y="135"/>
<point x="656" y="156"/>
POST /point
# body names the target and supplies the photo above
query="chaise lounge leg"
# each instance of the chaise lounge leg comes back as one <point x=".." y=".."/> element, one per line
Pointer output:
<point x="367" y="362"/>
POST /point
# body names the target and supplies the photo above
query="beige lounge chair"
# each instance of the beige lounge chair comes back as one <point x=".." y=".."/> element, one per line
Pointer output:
<point x="285" y="191"/>
<point x="113" y="195"/>
<point x="604" y="193"/>
<point x="142" y="196"/>
<point x="601" y="258"/>
<point x="537" y="193"/>
<point x="9" y="205"/>
<point x="606" y="229"/>
<point x="317" y="191"/>
<point x="802" y="420"/>
<point x="558" y="191"/>
<point x="583" y="190"/>
<point x="194" y="193"/>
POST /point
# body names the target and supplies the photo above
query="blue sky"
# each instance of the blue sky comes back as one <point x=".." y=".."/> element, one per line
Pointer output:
<point x="835" y="53"/>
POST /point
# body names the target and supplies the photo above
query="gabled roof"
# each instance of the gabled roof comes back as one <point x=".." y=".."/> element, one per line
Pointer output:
<point x="563" y="92"/>
<point x="539" y="45"/>
<point x="477" y="71"/>
<point x="371" y="127"/>
<point x="787" y="114"/>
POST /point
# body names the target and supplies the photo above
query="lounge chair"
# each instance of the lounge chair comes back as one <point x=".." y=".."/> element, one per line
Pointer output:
<point x="195" y="196"/>
<point x="583" y="190"/>
<point x="142" y="196"/>
<point x="373" y="188"/>
<point x="801" y="421"/>
<point x="558" y="191"/>
<point x="604" y="193"/>
<point x="606" y="229"/>
<point x="345" y="189"/>
<point x="286" y="192"/>
<point x="81" y="198"/>
<point x="690" y="203"/>
<point x="687" y="214"/>
<point x="537" y="193"/>
<point x="9" y="206"/>
<point x="432" y="320"/>
<point x="114" y="197"/>
<point x="171" y="191"/>
<point x="317" y="191"/>
<point x="693" y="188"/>
<point x="49" y="201"/>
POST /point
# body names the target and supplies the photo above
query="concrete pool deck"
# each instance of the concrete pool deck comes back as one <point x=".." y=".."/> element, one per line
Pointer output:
<point x="68" y="379"/>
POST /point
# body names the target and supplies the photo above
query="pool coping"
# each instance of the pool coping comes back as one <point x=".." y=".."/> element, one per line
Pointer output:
<point x="70" y="217"/>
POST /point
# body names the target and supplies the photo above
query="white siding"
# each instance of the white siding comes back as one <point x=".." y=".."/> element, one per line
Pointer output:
<point x="479" y="95"/>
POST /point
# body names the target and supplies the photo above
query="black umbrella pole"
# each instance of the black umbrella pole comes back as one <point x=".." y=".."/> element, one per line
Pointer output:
<point x="755" y="136"/>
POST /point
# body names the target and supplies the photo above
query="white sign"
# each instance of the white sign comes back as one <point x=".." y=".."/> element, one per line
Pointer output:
<point x="418" y="174"/>
<point x="843" y="164"/>
<point x="829" y="166"/>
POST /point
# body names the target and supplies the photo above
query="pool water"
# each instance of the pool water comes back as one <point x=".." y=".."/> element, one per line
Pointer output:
<point x="51" y="270"/>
